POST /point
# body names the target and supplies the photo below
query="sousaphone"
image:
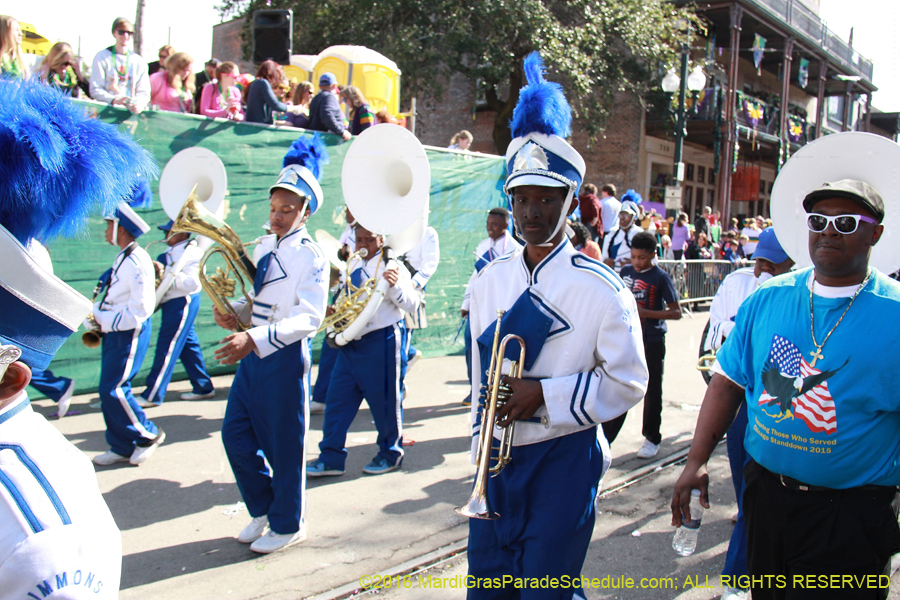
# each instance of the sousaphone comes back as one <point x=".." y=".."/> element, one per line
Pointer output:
<point x="386" y="180"/>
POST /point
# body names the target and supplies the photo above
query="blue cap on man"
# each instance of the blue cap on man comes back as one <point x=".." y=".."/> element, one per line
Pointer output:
<point x="768" y="247"/>
<point x="327" y="79"/>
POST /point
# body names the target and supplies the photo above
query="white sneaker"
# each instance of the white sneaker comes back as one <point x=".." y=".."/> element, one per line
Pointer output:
<point x="730" y="593"/>
<point x="142" y="453"/>
<point x="64" y="402"/>
<point x="254" y="530"/>
<point x="648" y="450"/>
<point x="316" y="408"/>
<point x="413" y="360"/>
<point x="272" y="542"/>
<point x="145" y="403"/>
<point x="193" y="396"/>
<point x="108" y="458"/>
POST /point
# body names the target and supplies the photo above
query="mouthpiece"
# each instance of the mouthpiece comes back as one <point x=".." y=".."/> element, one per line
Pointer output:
<point x="363" y="253"/>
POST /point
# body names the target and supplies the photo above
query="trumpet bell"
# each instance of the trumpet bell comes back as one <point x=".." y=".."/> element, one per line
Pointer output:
<point x="478" y="507"/>
<point x="91" y="339"/>
<point x="192" y="168"/>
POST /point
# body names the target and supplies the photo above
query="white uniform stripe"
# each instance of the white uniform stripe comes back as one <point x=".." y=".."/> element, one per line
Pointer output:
<point x="398" y="347"/>
<point x="169" y="357"/>
<point x="120" y="393"/>
<point x="307" y="358"/>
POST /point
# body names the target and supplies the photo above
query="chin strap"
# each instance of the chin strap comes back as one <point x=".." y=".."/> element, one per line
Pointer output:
<point x="298" y="221"/>
<point x="559" y="224"/>
<point x="562" y="219"/>
<point x="115" y="236"/>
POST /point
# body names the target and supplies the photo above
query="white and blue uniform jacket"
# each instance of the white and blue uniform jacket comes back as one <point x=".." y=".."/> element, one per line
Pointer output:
<point x="617" y="245"/>
<point x="57" y="536"/>
<point x="290" y="293"/>
<point x="591" y="363"/>
<point x="132" y="293"/>
<point x="398" y="300"/>
<point x="486" y="252"/>
<point x="424" y="258"/>
<point x="187" y="281"/>
<point x="735" y="288"/>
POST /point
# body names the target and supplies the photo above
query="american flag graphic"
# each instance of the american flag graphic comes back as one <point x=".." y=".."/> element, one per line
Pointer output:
<point x="816" y="406"/>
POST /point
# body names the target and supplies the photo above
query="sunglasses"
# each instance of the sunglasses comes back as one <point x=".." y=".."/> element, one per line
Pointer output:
<point x="124" y="32"/>
<point x="845" y="224"/>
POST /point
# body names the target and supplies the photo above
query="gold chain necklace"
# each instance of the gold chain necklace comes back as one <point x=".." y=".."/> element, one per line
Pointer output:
<point x="812" y="320"/>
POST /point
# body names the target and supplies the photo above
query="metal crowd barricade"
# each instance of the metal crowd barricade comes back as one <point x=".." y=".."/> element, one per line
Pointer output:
<point x="697" y="280"/>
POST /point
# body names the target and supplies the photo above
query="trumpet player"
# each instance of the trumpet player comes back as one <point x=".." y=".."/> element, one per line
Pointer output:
<point x="123" y="313"/>
<point x="584" y="361"/>
<point x="267" y="415"/>
<point x="369" y="367"/>
<point x="177" y="338"/>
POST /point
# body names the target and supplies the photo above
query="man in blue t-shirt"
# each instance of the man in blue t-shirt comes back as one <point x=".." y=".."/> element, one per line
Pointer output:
<point x="811" y="357"/>
<point x="657" y="302"/>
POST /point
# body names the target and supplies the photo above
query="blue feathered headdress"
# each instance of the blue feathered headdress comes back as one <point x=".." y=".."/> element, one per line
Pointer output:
<point x="302" y="169"/>
<point x="58" y="165"/>
<point x="542" y="106"/>
<point x="538" y="154"/>
<point x="631" y="195"/>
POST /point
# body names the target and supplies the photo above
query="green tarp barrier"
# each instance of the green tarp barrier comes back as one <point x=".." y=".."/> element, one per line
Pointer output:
<point x="463" y="188"/>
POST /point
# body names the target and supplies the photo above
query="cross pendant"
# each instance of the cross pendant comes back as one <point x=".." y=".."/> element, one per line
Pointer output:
<point x="816" y="356"/>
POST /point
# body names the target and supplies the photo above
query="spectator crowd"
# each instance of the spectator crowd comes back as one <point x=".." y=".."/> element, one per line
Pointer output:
<point x="121" y="77"/>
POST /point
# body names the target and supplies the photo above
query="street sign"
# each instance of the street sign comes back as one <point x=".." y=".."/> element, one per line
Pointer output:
<point x="673" y="197"/>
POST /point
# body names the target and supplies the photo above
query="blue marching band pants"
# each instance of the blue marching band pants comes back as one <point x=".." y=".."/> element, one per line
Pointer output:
<point x="177" y="340"/>
<point x="122" y="355"/>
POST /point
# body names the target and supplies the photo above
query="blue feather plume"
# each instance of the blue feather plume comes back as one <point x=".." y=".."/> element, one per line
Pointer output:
<point x="308" y="152"/>
<point x="58" y="166"/>
<point x="542" y="106"/>
<point x="141" y="196"/>
<point x="631" y="195"/>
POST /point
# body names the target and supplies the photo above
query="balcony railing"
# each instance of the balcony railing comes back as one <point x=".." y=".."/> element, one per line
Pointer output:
<point x="751" y="113"/>
<point x="797" y="15"/>
<point x="763" y="117"/>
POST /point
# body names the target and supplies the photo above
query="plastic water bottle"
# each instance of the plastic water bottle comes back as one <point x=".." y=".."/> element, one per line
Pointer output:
<point x="685" y="540"/>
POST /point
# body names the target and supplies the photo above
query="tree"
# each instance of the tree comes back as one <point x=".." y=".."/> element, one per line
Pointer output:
<point x="139" y="28"/>
<point x="595" y="48"/>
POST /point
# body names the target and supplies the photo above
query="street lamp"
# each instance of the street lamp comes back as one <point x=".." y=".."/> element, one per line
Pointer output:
<point x="671" y="83"/>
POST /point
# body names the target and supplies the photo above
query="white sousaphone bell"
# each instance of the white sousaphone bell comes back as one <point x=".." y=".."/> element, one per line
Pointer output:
<point x="193" y="170"/>
<point x="386" y="180"/>
<point x="849" y="155"/>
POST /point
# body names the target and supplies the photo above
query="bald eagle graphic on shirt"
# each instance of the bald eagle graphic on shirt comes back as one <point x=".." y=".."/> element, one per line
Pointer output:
<point x="793" y="388"/>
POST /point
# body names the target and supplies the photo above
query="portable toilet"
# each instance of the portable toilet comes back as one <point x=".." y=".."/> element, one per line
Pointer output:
<point x="374" y="74"/>
<point x="301" y="67"/>
<point x="33" y="42"/>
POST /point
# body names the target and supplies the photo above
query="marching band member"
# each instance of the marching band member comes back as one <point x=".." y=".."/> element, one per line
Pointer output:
<point x="328" y="355"/>
<point x="369" y="367"/>
<point x="57" y="536"/>
<point x="422" y="261"/>
<point x="584" y="360"/>
<point x="177" y="336"/>
<point x="128" y="297"/>
<point x="57" y="388"/>
<point x="617" y="244"/>
<point x="499" y="242"/>
<point x="266" y="419"/>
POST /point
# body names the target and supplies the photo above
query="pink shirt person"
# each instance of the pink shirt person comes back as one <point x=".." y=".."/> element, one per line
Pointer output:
<point x="224" y="105"/>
